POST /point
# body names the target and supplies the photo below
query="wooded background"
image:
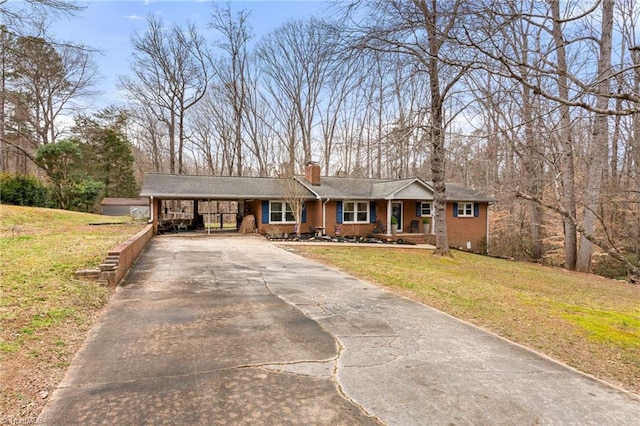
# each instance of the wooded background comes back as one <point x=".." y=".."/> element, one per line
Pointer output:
<point x="533" y="102"/>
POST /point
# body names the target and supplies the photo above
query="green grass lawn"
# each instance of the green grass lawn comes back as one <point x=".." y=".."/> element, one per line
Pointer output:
<point x="586" y="321"/>
<point x="45" y="310"/>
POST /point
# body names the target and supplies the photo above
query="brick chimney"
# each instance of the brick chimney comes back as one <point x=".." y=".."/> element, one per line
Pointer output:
<point x="312" y="173"/>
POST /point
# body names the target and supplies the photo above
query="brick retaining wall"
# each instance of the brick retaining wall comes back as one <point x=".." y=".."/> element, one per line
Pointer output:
<point x="129" y="251"/>
<point x="120" y="259"/>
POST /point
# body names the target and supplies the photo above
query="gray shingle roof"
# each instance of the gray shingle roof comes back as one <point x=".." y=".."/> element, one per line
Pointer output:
<point x="214" y="187"/>
<point x="384" y="189"/>
<point x="356" y="188"/>
<point x="341" y="188"/>
<point x="457" y="192"/>
<point x="337" y="188"/>
<point x="376" y="189"/>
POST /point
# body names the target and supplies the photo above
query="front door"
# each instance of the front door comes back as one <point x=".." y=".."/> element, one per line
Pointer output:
<point x="396" y="210"/>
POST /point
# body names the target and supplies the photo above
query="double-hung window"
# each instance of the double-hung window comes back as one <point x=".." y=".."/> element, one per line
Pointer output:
<point x="425" y="209"/>
<point x="356" y="212"/>
<point x="465" y="209"/>
<point x="280" y="212"/>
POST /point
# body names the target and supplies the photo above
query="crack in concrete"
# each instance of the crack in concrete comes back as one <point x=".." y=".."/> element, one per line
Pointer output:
<point x="262" y="365"/>
<point x="338" y="385"/>
<point x="340" y="349"/>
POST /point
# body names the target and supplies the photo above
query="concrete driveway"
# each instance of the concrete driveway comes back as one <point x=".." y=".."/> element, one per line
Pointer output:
<point x="235" y="330"/>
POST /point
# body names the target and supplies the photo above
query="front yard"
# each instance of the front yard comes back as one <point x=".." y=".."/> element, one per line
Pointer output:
<point x="45" y="312"/>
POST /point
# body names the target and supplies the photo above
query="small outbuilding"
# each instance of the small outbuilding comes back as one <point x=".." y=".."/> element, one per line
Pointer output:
<point x="138" y="208"/>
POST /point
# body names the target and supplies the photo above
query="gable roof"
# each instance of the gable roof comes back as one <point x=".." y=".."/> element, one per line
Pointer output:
<point x="168" y="186"/>
<point x="359" y="188"/>
<point x="389" y="189"/>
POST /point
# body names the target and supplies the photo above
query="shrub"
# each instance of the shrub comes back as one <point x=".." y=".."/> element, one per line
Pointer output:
<point x="606" y="266"/>
<point x="273" y="233"/>
<point x="22" y="190"/>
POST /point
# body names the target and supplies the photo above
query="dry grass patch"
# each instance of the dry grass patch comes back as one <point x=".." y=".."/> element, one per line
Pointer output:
<point x="586" y="321"/>
<point x="45" y="311"/>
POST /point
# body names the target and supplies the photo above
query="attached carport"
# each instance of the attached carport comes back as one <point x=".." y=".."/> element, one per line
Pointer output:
<point x="247" y="192"/>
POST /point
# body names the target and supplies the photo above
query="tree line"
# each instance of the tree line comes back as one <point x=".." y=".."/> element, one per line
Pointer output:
<point x="535" y="102"/>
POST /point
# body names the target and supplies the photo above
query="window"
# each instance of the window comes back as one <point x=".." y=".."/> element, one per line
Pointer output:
<point x="356" y="212"/>
<point x="425" y="209"/>
<point x="280" y="212"/>
<point x="465" y="209"/>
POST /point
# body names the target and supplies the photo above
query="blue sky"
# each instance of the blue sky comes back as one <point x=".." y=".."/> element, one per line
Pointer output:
<point x="108" y="25"/>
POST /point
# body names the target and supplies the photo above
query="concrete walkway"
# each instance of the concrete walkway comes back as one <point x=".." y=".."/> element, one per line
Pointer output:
<point x="234" y="330"/>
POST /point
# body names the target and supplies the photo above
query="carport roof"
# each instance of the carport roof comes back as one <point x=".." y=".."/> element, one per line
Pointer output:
<point x="168" y="186"/>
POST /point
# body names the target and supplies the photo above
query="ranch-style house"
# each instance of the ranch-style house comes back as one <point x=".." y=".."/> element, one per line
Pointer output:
<point x="336" y="206"/>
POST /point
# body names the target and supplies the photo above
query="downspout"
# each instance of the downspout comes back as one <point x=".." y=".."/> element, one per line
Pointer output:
<point x="487" y="230"/>
<point x="324" y="216"/>
<point x="389" y="212"/>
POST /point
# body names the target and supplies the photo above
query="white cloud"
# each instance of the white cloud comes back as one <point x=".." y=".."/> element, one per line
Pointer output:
<point x="132" y="17"/>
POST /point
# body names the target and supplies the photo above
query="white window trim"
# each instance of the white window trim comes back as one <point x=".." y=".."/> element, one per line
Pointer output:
<point x="463" y="214"/>
<point x="355" y="213"/>
<point x="430" y="209"/>
<point x="284" y="213"/>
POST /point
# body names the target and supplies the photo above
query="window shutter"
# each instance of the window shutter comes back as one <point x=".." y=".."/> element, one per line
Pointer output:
<point x="418" y="208"/>
<point x="372" y="212"/>
<point x="265" y="211"/>
<point x="338" y="211"/>
<point x="304" y="213"/>
<point x="455" y="209"/>
<point x="476" y="209"/>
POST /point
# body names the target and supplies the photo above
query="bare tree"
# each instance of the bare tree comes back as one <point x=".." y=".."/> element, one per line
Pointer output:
<point x="294" y="195"/>
<point x="21" y="20"/>
<point x="297" y="59"/>
<point x="41" y="82"/>
<point x="567" y="79"/>
<point x="421" y="31"/>
<point x="232" y="70"/>
<point x="602" y="83"/>
<point x="567" y="159"/>
<point x="16" y="15"/>
<point x="171" y="73"/>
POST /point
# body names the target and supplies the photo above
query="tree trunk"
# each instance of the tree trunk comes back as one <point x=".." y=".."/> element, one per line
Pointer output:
<point x="172" y="142"/>
<point x="437" y="161"/>
<point x="534" y="169"/>
<point x="600" y="140"/>
<point x="635" y="143"/>
<point x="566" y="139"/>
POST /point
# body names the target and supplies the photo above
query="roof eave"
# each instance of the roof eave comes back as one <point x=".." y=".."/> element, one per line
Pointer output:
<point x="308" y="186"/>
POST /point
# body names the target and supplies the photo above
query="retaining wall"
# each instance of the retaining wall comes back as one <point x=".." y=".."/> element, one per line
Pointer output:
<point x="120" y="259"/>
